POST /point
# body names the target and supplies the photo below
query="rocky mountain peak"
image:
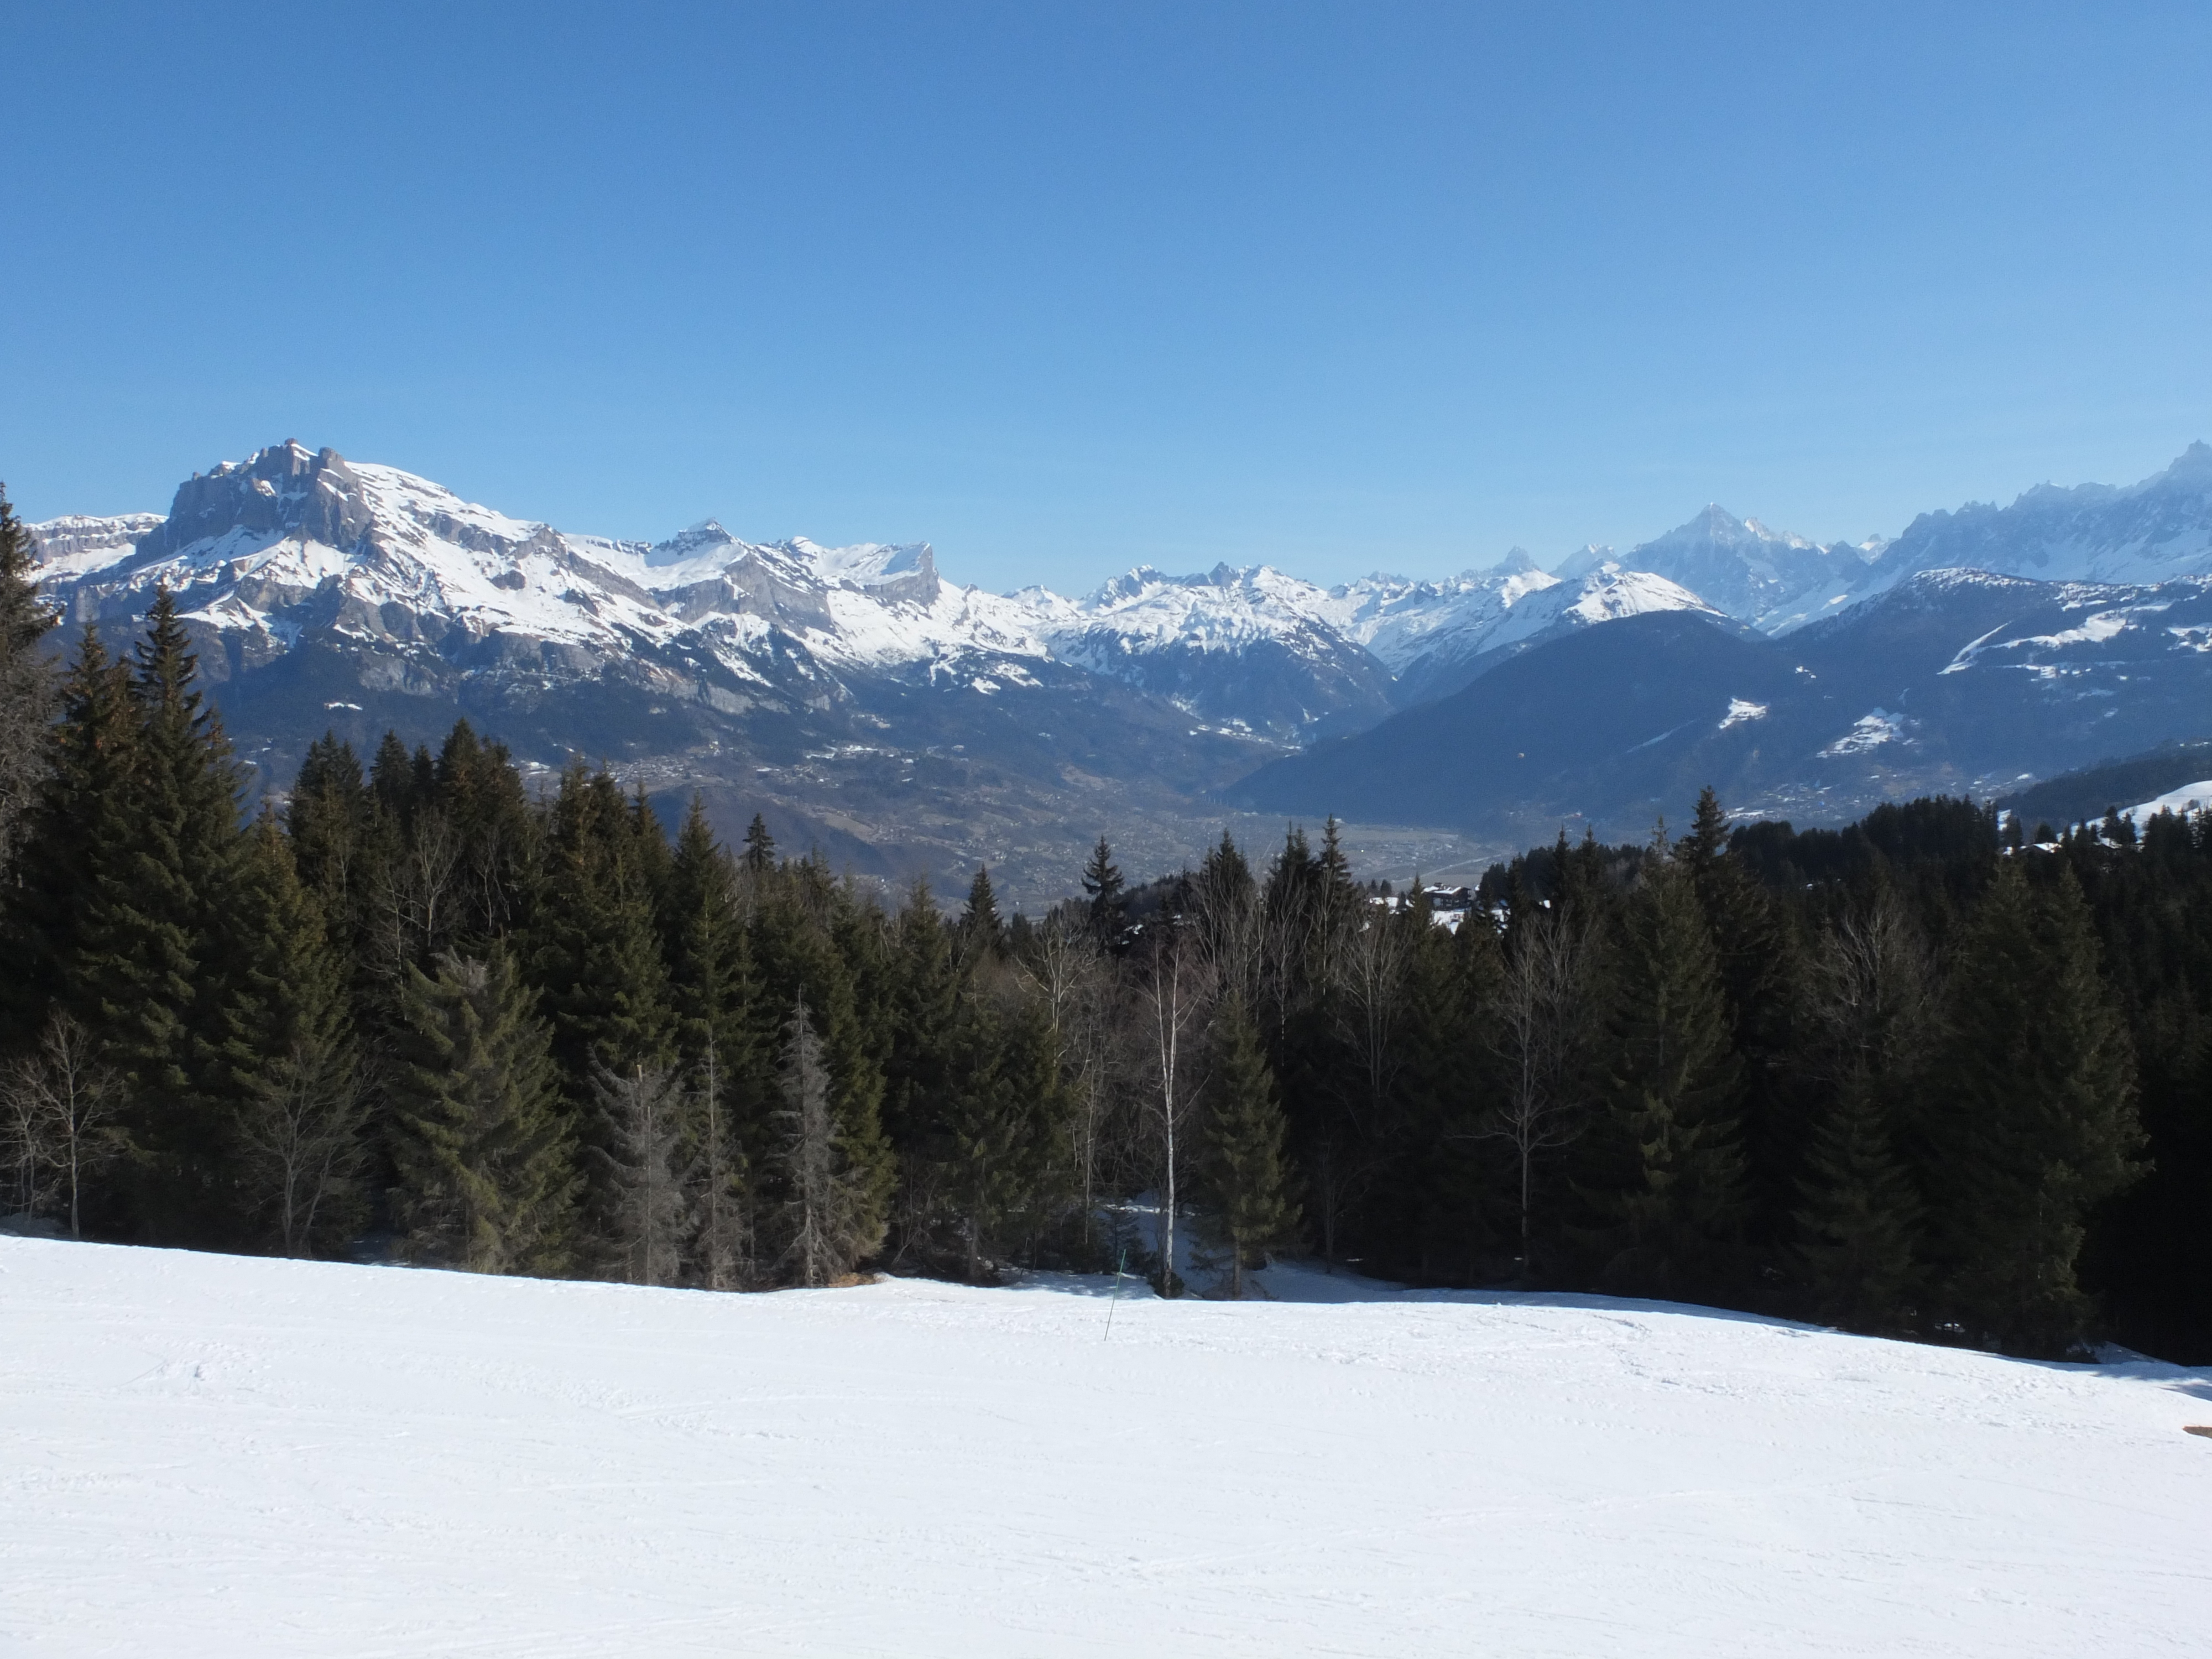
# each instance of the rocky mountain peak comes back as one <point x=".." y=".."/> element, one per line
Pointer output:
<point x="283" y="490"/>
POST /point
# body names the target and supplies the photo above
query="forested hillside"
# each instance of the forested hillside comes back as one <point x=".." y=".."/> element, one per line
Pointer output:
<point x="1901" y="1077"/>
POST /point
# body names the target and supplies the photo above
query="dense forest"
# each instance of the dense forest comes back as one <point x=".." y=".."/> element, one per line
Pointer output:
<point x="1923" y="1076"/>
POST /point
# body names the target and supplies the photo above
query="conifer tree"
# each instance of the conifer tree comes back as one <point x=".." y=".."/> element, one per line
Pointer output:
<point x="27" y="684"/>
<point x="596" y="940"/>
<point x="392" y="776"/>
<point x="2031" y="1117"/>
<point x="1248" y="1174"/>
<point x="1002" y="1121"/>
<point x="155" y="943"/>
<point x="647" y="1169"/>
<point x="1759" y="971"/>
<point x="711" y="984"/>
<point x="1226" y="904"/>
<point x="479" y="794"/>
<point x="596" y="958"/>
<point x="759" y="860"/>
<point x="1102" y="884"/>
<point x="981" y="933"/>
<point x="288" y="1073"/>
<point x="1858" y="1223"/>
<point x="925" y="1013"/>
<point x="807" y="938"/>
<point x="327" y="819"/>
<point x="76" y="849"/>
<point x="487" y="1178"/>
<point x="1677" y="1196"/>
<point x="833" y="1214"/>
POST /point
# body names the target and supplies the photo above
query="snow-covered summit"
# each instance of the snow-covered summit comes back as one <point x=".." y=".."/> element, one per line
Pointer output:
<point x="2153" y="531"/>
<point x="290" y="541"/>
<point x="1747" y="570"/>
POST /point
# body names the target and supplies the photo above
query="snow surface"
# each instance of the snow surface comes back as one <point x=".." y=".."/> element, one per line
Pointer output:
<point x="214" y="1456"/>
<point x="2185" y="802"/>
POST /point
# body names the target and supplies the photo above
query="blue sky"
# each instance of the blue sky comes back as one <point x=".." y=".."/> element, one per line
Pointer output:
<point x="1066" y="288"/>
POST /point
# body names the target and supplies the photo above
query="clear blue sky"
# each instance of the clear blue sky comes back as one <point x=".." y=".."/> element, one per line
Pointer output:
<point x="1064" y="287"/>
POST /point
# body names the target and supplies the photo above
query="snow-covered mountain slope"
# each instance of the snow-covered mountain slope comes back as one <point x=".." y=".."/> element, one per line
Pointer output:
<point x="71" y="546"/>
<point x="2153" y="531"/>
<point x="1762" y="576"/>
<point x="1953" y="682"/>
<point x="1525" y="612"/>
<point x="215" y="1456"/>
<point x="1251" y="649"/>
<point x="1254" y="644"/>
<point x="1402" y="622"/>
<point x="290" y="542"/>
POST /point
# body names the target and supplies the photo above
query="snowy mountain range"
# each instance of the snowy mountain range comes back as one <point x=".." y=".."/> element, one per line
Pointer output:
<point x="864" y="690"/>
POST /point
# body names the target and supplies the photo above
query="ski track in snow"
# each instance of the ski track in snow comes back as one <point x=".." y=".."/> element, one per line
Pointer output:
<point x="203" y="1455"/>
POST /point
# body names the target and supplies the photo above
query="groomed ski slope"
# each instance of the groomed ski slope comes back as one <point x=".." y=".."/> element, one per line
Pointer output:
<point x="210" y="1455"/>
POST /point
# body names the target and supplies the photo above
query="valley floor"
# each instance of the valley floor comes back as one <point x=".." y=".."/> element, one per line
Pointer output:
<point x="210" y="1455"/>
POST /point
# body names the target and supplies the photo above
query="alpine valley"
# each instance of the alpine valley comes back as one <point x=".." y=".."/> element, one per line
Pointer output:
<point x="909" y="725"/>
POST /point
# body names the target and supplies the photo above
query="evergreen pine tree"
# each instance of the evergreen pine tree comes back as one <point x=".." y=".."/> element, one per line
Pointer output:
<point x="1102" y="884"/>
<point x="1676" y="1195"/>
<point x="487" y="1178"/>
<point x="809" y="940"/>
<point x="924" y="1015"/>
<point x="27" y="684"/>
<point x="711" y="984"/>
<point x="595" y="956"/>
<point x="2031" y="1117"/>
<point x="1858" y="1224"/>
<point x="76" y="849"/>
<point x="832" y="1211"/>
<point x="327" y="818"/>
<point x="981" y="933"/>
<point x="596" y="938"/>
<point x="759" y="859"/>
<point x="647" y="1169"/>
<point x="288" y="1073"/>
<point x="154" y="943"/>
<point x="1006" y="1104"/>
<point x="1760" y="970"/>
<point x="1248" y="1174"/>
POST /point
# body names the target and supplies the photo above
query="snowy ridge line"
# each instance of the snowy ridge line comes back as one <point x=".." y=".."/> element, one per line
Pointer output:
<point x="288" y="542"/>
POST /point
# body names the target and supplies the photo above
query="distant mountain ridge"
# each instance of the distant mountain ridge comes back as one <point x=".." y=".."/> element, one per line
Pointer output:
<point x="888" y="706"/>
<point x="1953" y="681"/>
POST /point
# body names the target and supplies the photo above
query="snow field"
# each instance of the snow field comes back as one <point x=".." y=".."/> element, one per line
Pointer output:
<point x="211" y="1455"/>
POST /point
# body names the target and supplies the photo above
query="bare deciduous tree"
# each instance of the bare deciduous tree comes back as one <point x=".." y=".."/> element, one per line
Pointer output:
<point x="61" y="1103"/>
<point x="300" y="1132"/>
<point x="1172" y="997"/>
<point x="1536" y="1039"/>
<point x="416" y="890"/>
<point x="1074" y="980"/>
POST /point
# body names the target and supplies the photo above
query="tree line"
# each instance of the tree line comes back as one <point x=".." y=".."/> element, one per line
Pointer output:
<point x="1915" y="1076"/>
